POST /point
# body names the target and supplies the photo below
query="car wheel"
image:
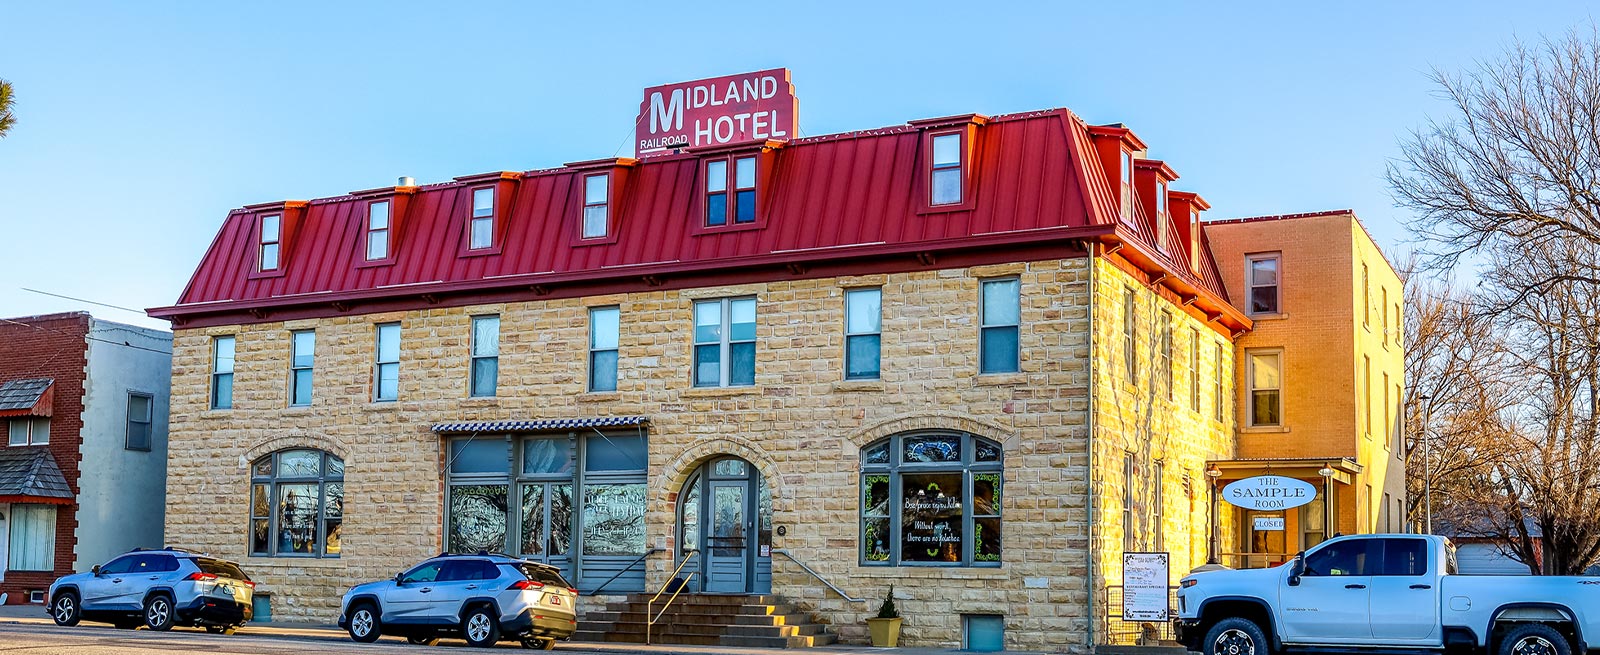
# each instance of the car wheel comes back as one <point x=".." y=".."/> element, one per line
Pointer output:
<point x="364" y="624"/>
<point x="423" y="641"/>
<point x="480" y="628"/>
<point x="1534" y="639"/>
<point x="1237" y="637"/>
<point x="65" y="610"/>
<point x="158" y="613"/>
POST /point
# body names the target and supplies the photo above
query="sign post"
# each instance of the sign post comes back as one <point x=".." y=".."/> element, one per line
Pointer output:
<point x="1144" y="587"/>
<point x="720" y="111"/>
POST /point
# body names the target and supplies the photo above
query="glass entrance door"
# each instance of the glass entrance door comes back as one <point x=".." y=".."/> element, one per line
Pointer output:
<point x="727" y="546"/>
<point x="725" y="515"/>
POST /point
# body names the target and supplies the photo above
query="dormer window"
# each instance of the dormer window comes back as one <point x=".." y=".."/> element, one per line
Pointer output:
<point x="271" y="241"/>
<point x="378" y="230"/>
<point x="1163" y="226"/>
<point x="596" y="198"/>
<point x="742" y="180"/>
<point x="946" y="180"/>
<point x="482" y="225"/>
<point x="1127" y="185"/>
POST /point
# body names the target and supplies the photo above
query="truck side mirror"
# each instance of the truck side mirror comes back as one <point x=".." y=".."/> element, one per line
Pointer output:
<point x="95" y="569"/>
<point x="1296" y="568"/>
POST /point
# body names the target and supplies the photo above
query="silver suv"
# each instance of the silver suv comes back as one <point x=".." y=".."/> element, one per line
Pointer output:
<point x="157" y="589"/>
<point x="482" y="598"/>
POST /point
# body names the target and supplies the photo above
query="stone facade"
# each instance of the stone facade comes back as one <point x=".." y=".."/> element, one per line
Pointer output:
<point x="801" y="425"/>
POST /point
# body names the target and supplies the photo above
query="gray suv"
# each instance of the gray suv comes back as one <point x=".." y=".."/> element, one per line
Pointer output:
<point x="157" y="589"/>
<point x="482" y="598"/>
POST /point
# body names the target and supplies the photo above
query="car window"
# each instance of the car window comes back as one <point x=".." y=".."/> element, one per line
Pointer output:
<point x="122" y="564"/>
<point x="462" y="569"/>
<point x="156" y="564"/>
<point x="1340" y="558"/>
<point x="221" y="568"/>
<point x="543" y="575"/>
<point x="1405" y="557"/>
<point x="427" y="572"/>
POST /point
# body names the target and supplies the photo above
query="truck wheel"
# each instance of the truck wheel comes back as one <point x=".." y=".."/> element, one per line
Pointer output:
<point x="1243" y="637"/>
<point x="1534" y="639"/>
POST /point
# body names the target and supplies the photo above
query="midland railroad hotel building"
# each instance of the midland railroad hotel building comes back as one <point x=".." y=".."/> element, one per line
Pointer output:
<point x="977" y="357"/>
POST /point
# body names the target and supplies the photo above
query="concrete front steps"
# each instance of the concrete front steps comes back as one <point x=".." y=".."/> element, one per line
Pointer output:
<point x="751" y="621"/>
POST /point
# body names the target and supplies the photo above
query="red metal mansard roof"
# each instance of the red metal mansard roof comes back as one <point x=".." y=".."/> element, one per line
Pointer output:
<point x="829" y="205"/>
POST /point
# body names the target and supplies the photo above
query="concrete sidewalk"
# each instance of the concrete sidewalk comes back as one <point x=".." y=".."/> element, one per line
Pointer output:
<point x="35" y="614"/>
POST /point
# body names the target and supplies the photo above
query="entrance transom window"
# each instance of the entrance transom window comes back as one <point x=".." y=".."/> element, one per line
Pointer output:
<point x="725" y="520"/>
<point x="931" y="499"/>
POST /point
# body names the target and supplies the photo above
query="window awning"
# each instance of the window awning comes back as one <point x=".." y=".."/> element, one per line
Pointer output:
<point x="30" y="475"/>
<point x="27" y="397"/>
<point x="545" y="425"/>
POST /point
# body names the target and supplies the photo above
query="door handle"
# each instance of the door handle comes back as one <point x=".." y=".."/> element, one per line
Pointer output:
<point x="1422" y="586"/>
<point x="424" y="590"/>
<point x="155" y="577"/>
<point x="116" y="581"/>
<point x="1355" y="586"/>
<point x="472" y="586"/>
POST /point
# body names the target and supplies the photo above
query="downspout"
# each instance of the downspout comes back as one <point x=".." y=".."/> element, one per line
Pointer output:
<point x="1093" y="259"/>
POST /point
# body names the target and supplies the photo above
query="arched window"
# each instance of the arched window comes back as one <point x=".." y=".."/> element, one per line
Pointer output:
<point x="931" y="499"/>
<point x="296" y="504"/>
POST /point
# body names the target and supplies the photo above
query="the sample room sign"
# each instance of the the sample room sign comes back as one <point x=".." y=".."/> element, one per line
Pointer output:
<point x="1269" y="492"/>
<point x="727" y="110"/>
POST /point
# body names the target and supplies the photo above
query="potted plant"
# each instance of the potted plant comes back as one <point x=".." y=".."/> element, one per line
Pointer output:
<point x="885" y="627"/>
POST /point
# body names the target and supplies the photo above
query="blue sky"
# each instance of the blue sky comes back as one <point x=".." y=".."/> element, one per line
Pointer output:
<point x="140" y="126"/>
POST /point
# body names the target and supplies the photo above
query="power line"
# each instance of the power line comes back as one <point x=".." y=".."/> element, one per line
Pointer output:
<point x="86" y="336"/>
<point x="57" y="295"/>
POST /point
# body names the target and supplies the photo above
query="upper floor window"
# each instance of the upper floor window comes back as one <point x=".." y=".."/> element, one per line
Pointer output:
<point x="931" y="499"/>
<point x="1366" y="297"/>
<point x="1218" y="380"/>
<point x="1262" y="278"/>
<point x="481" y="231"/>
<point x="297" y="504"/>
<point x="386" y="364"/>
<point x="1127" y="186"/>
<point x="1166" y="353"/>
<point x="1130" y="334"/>
<point x="596" y="196"/>
<point x="1163" y="225"/>
<point x="30" y="431"/>
<point x="863" y="333"/>
<point x="485" y="355"/>
<point x="1000" y="327"/>
<point x="1266" y="388"/>
<point x="141" y="415"/>
<point x="741" y="180"/>
<point x="222" y="372"/>
<point x="1383" y="295"/>
<point x="303" y="347"/>
<point x="725" y="342"/>
<point x="946" y="169"/>
<point x="378" y="230"/>
<point x="271" y="241"/>
<point x="605" y="326"/>
<point x="1194" y="369"/>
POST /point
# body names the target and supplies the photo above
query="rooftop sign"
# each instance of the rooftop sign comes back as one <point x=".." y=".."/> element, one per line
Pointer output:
<point x="733" y="109"/>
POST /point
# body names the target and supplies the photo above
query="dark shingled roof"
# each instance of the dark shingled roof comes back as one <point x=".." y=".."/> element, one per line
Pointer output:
<point x="31" y="472"/>
<point x="22" y="394"/>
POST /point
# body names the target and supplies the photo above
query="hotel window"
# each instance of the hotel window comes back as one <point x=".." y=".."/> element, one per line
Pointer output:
<point x="296" y="504"/>
<point x="1266" y="387"/>
<point x="725" y="342"/>
<point x="34" y="431"/>
<point x="863" y="328"/>
<point x="1366" y="396"/>
<point x="946" y="181"/>
<point x="742" y="179"/>
<point x="222" y="372"/>
<point x="1163" y="226"/>
<point x="1262" y="271"/>
<point x="378" y="231"/>
<point x="1217" y="380"/>
<point x="596" y="196"/>
<point x="1399" y="428"/>
<point x="271" y="241"/>
<point x="485" y="356"/>
<point x="1130" y="473"/>
<point x="1130" y="335"/>
<point x="1127" y="186"/>
<point x="605" y="327"/>
<point x="303" y="347"/>
<point x="481" y="226"/>
<point x="141" y="415"/>
<point x="386" y="363"/>
<point x="1000" y="329"/>
<point x="1166" y="353"/>
<point x="1157" y="498"/>
<point x="1194" y="370"/>
<point x="1387" y="418"/>
<point x="931" y="499"/>
<point x="33" y="538"/>
<point x="1383" y="295"/>
<point x="1366" y="298"/>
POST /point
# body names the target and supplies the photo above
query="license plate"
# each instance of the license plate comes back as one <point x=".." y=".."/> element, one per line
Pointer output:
<point x="225" y="589"/>
<point x="555" y="600"/>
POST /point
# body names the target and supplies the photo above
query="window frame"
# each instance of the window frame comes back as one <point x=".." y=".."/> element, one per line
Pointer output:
<point x="960" y="167"/>
<point x="1125" y="184"/>
<point x="595" y="351"/>
<point x="273" y="481"/>
<point x="217" y="374"/>
<point x="369" y="233"/>
<point x="892" y="473"/>
<point x="1366" y="297"/>
<point x="48" y="547"/>
<point x="1194" y="370"/>
<point x="276" y="242"/>
<point x="730" y="191"/>
<point x="1220" y="386"/>
<point x="475" y="358"/>
<point x="604" y="205"/>
<point x="1130" y="335"/>
<point x="1165" y="352"/>
<point x="149" y="422"/>
<point x="1277" y="283"/>
<point x="1130" y="473"/>
<point x="295" y="367"/>
<point x="985" y="328"/>
<point x="378" y="362"/>
<point x="850" y="337"/>
<point x="31" y="430"/>
<point x="1163" y="220"/>
<point x="1366" y="396"/>
<point x="474" y="218"/>
<point x="1250" y="382"/>
<point x="725" y="342"/>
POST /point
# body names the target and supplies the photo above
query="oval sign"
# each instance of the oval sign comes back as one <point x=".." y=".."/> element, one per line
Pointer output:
<point x="1269" y="492"/>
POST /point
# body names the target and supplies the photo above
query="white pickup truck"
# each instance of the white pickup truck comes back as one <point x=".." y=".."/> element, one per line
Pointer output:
<point x="1385" y="593"/>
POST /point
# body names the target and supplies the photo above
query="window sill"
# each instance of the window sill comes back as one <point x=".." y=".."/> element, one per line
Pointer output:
<point x="1275" y="429"/>
<point x="298" y="561"/>
<point x="943" y="572"/>
<point x="599" y="396"/>
<point x="999" y="379"/>
<point x="720" y="392"/>
<point x="848" y="386"/>
<point x="1269" y="317"/>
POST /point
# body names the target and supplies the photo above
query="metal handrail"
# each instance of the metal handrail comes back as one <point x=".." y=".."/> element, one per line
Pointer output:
<point x="625" y="569"/>
<point x="818" y="576"/>
<point x="650" y="615"/>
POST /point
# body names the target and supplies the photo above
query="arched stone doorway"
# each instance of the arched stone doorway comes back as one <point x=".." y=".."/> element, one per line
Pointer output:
<point x="725" y="515"/>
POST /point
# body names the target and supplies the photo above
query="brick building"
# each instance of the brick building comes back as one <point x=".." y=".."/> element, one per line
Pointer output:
<point x="82" y="471"/>
<point x="974" y="357"/>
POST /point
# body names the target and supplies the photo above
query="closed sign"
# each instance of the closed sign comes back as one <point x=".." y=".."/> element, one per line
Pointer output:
<point x="1269" y="492"/>
<point x="1269" y="524"/>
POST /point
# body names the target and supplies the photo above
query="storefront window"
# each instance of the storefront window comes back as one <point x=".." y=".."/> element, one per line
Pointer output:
<point x="931" y="499"/>
<point x="477" y="518"/>
<point x="613" y="519"/>
<point x="297" y="504"/>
